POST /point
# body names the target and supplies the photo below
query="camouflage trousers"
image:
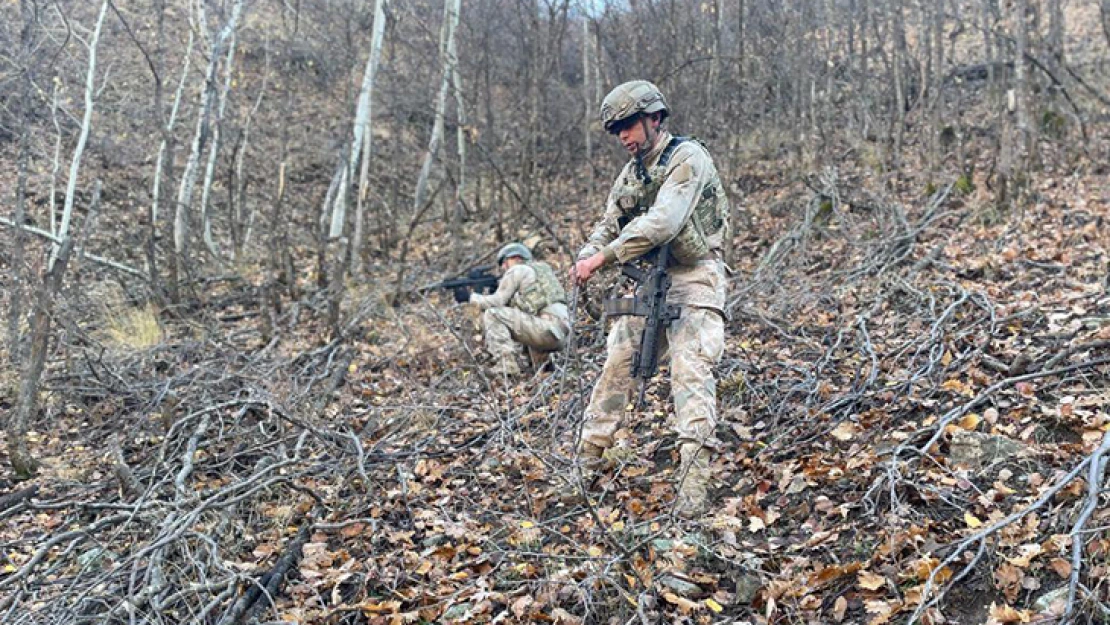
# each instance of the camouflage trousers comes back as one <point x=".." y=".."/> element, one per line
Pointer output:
<point x="507" y="328"/>
<point x="694" y="342"/>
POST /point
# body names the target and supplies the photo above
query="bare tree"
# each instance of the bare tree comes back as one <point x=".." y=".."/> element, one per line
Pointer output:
<point x="216" y="144"/>
<point x="83" y="136"/>
<point x="1026" y="138"/>
<point x="22" y="461"/>
<point x="200" y="137"/>
<point x="447" y="47"/>
<point x="587" y="93"/>
<point x="364" y="171"/>
<point x="15" y="309"/>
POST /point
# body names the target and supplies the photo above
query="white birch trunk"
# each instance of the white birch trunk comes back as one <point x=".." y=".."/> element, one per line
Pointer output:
<point x="86" y="123"/>
<point x="460" y="113"/>
<point x="714" y="53"/>
<point x="450" y="21"/>
<point x="239" y="158"/>
<point x="587" y="112"/>
<point x="57" y="161"/>
<point x="376" y="38"/>
<point x="189" y="174"/>
<point x="214" y="149"/>
<point x="360" y="143"/>
<point x="155" y="190"/>
<point x="1026" y="141"/>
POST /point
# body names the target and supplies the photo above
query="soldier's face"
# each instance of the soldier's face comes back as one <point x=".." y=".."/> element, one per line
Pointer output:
<point x="637" y="134"/>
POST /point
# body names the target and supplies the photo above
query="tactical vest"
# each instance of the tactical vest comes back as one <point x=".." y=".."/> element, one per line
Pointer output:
<point x="710" y="216"/>
<point x="545" y="291"/>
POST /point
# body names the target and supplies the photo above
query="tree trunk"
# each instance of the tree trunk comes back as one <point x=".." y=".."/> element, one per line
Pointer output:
<point x="450" y="21"/>
<point x="27" y="42"/>
<point x="987" y="27"/>
<point x="164" y="164"/>
<point x="189" y="175"/>
<point x="217" y="136"/>
<point x="360" y="142"/>
<point x="15" y="310"/>
<point x="83" y="137"/>
<point x="741" y="35"/>
<point x="714" y="54"/>
<point x="937" y="88"/>
<point x="460" y="130"/>
<point x="22" y="461"/>
<point x="1056" y="27"/>
<point x="1026" y="140"/>
<point x="899" y="117"/>
<point x="245" y="224"/>
<point x="587" y="98"/>
<point x="364" y="170"/>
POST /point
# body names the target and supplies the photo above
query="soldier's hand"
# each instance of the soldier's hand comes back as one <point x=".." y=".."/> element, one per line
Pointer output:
<point x="586" y="267"/>
<point x="462" y="295"/>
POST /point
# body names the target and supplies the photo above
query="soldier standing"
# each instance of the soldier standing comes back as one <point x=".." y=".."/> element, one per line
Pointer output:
<point x="668" y="192"/>
<point x="529" y="308"/>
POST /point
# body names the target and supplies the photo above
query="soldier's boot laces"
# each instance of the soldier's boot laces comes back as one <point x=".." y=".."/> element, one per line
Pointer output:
<point x="693" y="487"/>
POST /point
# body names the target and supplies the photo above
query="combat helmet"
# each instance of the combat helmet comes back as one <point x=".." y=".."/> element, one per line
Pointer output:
<point x="514" y="249"/>
<point x="630" y="98"/>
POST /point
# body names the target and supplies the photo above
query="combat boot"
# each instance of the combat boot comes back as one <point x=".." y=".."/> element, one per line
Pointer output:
<point x="592" y="456"/>
<point x="507" y="366"/>
<point x="693" y="484"/>
<point x="591" y="463"/>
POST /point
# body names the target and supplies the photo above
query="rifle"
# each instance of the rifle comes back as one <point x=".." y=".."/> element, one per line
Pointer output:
<point x="650" y="302"/>
<point x="477" y="279"/>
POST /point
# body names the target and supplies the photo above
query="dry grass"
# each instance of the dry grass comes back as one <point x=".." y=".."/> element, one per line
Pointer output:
<point x="135" y="328"/>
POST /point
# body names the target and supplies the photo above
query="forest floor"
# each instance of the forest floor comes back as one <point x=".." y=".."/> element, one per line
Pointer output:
<point x="913" y="401"/>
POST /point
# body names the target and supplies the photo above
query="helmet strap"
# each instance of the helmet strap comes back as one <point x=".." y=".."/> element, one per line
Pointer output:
<point x="650" y="136"/>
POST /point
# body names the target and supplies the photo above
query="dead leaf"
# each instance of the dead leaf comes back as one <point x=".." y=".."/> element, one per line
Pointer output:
<point x="352" y="530"/>
<point x="756" y="524"/>
<point x="520" y="605"/>
<point x="840" y="606"/>
<point x="844" y="431"/>
<point x="562" y="616"/>
<point x="871" y="581"/>
<point x="1026" y="554"/>
<point x="882" y="610"/>
<point x="684" y="605"/>
<point x="970" y="421"/>
<point x="1061" y="566"/>
<point x="1007" y="614"/>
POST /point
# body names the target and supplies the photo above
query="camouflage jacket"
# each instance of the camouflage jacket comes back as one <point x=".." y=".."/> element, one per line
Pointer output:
<point x="518" y="287"/>
<point x="686" y="180"/>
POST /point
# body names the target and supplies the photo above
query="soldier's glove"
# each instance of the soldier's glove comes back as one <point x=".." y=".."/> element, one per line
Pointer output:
<point x="462" y="294"/>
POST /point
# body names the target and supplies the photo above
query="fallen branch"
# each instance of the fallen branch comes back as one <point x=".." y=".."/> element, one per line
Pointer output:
<point x="960" y="411"/>
<point x="981" y="536"/>
<point x="1094" y="488"/>
<point x="93" y="257"/>
<point x="15" y="498"/>
<point x="271" y="581"/>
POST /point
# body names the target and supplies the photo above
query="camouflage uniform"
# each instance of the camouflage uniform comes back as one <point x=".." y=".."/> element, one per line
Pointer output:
<point x="685" y="192"/>
<point x="529" y="308"/>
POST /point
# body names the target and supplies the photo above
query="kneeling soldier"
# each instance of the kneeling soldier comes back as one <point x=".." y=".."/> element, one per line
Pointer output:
<point x="529" y="308"/>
